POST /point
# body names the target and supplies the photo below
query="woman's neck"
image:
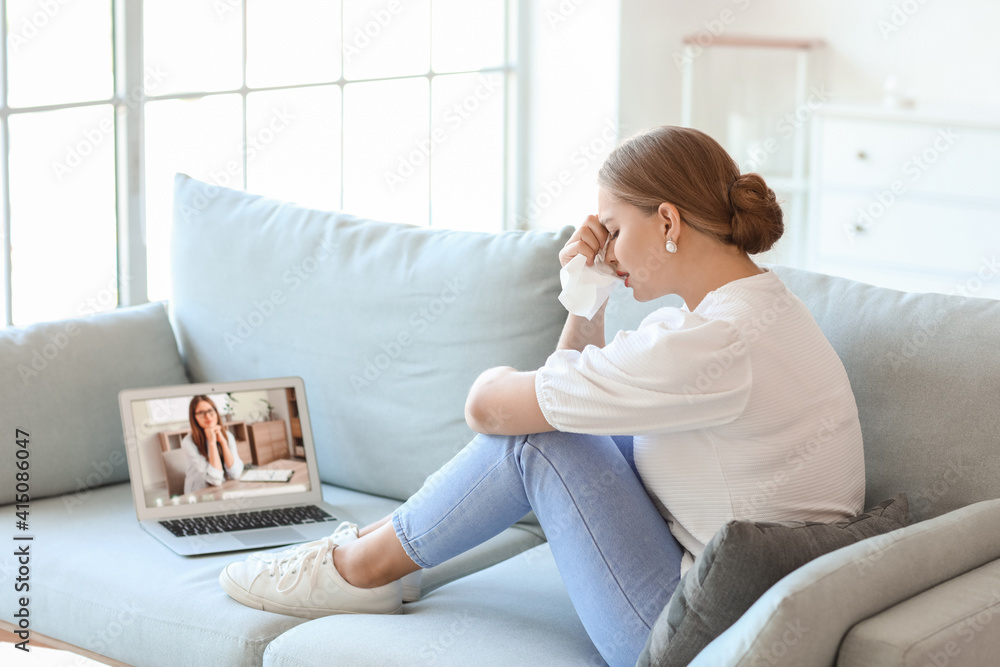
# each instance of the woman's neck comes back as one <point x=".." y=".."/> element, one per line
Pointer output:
<point x="714" y="273"/>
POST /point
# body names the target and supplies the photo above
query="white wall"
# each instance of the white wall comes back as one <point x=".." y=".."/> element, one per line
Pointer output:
<point x="571" y="108"/>
<point x="942" y="53"/>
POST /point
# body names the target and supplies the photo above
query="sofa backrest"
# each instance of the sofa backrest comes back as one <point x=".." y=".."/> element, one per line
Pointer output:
<point x="925" y="370"/>
<point x="60" y="385"/>
<point x="388" y="324"/>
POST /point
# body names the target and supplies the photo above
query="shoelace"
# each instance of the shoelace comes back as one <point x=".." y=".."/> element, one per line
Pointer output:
<point x="296" y="561"/>
<point x="344" y="527"/>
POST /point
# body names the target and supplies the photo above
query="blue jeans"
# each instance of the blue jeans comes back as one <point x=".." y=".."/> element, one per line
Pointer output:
<point x="618" y="559"/>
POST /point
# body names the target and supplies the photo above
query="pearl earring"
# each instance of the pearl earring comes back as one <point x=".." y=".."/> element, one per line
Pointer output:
<point x="671" y="246"/>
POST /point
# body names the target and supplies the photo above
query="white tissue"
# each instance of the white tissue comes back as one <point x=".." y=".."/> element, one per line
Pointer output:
<point x="586" y="288"/>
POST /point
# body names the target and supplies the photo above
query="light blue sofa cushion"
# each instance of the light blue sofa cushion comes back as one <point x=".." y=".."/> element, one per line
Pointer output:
<point x="802" y="619"/>
<point x="925" y="370"/>
<point x="388" y="324"/>
<point x="60" y="384"/>
<point x="953" y="624"/>
<point x="514" y="613"/>
<point x="100" y="582"/>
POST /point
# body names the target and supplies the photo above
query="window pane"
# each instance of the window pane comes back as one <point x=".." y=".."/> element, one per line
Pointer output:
<point x="63" y="225"/>
<point x="195" y="45"/>
<point x="58" y="52"/>
<point x="385" y="150"/>
<point x="294" y="143"/>
<point x="201" y="138"/>
<point x="467" y="35"/>
<point x="386" y="38"/>
<point x="292" y="41"/>
<point x="467" y="161"/>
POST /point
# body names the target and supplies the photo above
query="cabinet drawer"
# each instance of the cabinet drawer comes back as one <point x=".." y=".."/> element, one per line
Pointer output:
<point x="908" y="233"/>
<point x="276" y="430"/>
<point x="936" y="159"/>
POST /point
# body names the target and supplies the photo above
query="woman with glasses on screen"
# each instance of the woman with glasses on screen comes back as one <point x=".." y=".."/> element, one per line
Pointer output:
<point x="716" y="399"/>
<point x="210" y="448"/>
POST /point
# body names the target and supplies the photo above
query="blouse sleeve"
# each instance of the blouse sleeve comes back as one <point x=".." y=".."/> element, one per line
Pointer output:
<point x="194" y="478"/>
<point x="677" y="372"/>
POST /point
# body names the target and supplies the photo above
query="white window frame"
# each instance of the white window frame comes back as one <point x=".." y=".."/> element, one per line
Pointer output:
<point x="129" y="101"/>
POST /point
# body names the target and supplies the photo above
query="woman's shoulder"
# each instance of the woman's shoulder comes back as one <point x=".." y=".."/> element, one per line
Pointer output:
<point x="671" y="318"/>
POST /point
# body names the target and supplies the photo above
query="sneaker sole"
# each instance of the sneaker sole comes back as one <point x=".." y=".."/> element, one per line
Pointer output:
<point x="255" y="602"/>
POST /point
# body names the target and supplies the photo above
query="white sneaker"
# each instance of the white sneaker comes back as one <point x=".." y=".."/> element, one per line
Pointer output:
<point x="277" y="585"/>
<point x="411" y="586"/>
<point x="346" y="532"/>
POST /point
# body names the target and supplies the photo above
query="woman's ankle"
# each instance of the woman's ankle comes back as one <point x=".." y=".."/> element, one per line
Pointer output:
<point x="346" y="566"/>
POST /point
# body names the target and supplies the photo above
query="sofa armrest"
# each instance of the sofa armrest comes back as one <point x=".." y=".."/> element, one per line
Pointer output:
<point x="952" y="624"/>
<point x="802" y="619"/>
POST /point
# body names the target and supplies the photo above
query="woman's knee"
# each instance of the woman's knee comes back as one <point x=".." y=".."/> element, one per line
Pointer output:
<point x="579" y="450"/>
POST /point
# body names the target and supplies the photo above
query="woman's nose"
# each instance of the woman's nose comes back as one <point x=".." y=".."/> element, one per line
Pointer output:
<point x="609" y="254"/>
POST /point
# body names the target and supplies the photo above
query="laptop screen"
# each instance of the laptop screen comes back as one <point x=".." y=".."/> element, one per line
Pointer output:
<point x="202" y="448"/>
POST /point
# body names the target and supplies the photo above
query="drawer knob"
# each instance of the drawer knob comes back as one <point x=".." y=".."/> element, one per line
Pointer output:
<point x="862" y="155"/>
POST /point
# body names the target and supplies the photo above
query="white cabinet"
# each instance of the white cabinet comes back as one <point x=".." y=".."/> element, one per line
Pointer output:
<point x="906" y="200"/>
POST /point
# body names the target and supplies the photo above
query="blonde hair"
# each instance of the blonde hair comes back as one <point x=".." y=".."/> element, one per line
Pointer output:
<point x="689" y="169"/>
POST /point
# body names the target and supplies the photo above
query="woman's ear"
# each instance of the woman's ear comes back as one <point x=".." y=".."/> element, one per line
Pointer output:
<point x="669" y="221"/>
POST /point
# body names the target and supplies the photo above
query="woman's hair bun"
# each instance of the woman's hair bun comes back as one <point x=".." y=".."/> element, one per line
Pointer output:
<point x="757" y="218"/>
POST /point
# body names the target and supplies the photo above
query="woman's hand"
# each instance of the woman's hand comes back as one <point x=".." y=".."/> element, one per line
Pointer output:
<point x="587" y="240"/>
<point x="218" y="437"/>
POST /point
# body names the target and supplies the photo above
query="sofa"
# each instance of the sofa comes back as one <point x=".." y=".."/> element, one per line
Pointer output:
<point x="389" y="324"/>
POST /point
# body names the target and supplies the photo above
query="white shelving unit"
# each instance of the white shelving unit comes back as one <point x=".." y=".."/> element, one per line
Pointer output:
<point x="756" y="97"/>
<point x="906" y="198"/>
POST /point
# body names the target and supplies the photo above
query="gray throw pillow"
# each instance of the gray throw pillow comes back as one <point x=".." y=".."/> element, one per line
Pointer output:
<point x="739" y="564"/>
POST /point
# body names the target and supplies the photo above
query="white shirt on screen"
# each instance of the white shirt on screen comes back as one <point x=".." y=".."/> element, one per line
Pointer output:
<point x="199" y="473"/>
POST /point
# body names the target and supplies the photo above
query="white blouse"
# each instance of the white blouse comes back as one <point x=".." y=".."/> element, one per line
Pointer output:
<point x="199" y="473"/>
<point x="740" y="409"/>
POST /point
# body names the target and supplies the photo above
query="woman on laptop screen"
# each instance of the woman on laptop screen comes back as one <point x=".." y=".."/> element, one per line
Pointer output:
<point x="632" y="453"/>
<point x="210" y="448"/>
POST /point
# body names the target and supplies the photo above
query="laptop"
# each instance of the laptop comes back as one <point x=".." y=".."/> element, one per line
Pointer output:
<point x="196" y="498"/>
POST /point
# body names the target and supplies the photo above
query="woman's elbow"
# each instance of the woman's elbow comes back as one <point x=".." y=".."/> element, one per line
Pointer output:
<point x="473" y="411"/>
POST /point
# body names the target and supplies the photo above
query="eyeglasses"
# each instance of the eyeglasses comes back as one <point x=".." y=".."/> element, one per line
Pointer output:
<point x="204" y="413"/>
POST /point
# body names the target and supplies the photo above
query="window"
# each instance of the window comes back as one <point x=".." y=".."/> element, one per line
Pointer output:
<point x="388" y="109"/>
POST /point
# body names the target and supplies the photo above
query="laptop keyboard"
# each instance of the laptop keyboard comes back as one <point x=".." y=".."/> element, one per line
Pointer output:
<point x="227" y="523"/>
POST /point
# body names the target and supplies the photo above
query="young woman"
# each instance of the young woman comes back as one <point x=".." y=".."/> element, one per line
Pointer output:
<point x="735" y="406"/>
<point x="210" y="448"/>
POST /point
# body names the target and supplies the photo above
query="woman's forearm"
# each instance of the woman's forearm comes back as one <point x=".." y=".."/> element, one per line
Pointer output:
<point x="579" y="332"/>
